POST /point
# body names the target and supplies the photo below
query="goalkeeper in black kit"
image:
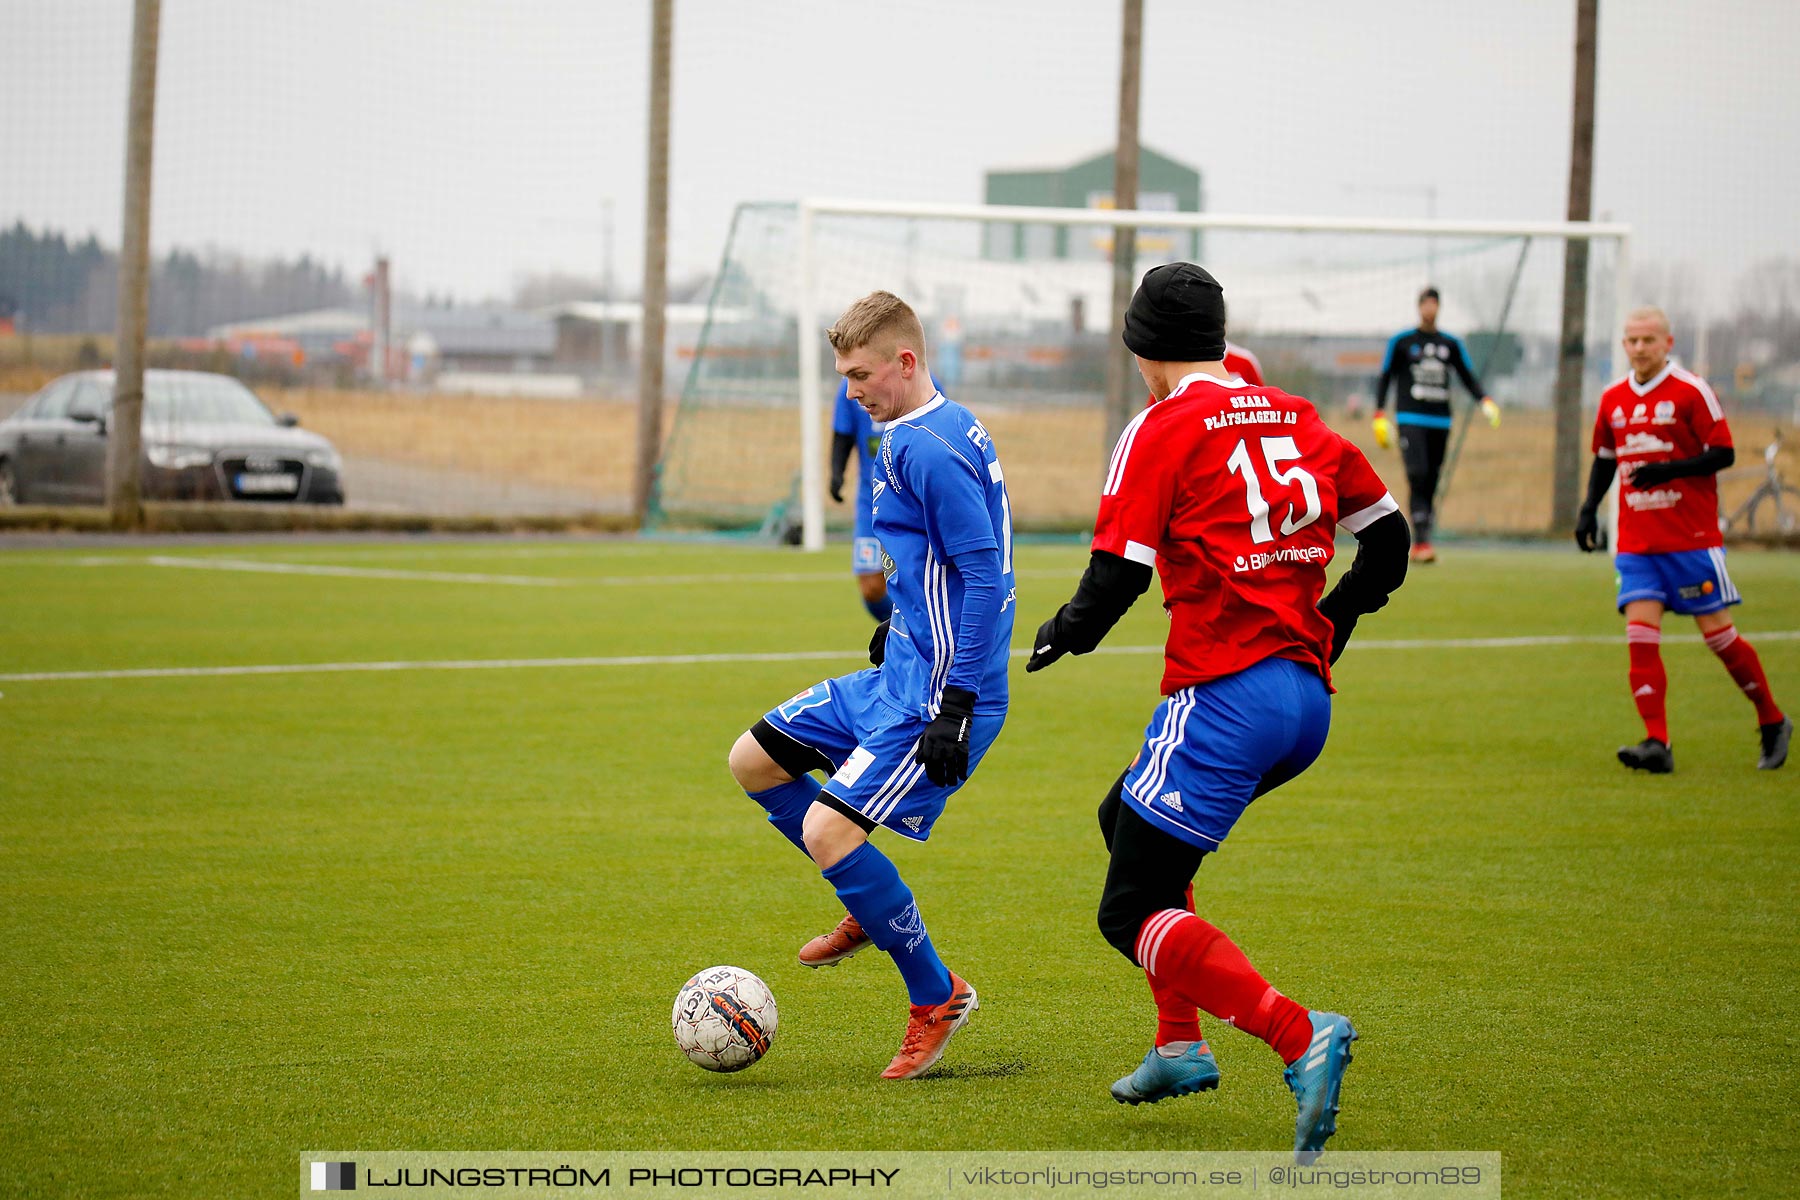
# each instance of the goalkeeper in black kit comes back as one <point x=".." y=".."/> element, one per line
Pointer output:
<point x="1418" y="366"/>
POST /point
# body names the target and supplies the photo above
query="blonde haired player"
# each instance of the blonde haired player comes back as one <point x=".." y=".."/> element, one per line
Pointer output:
<point x="1662" y="432"/>
<point x="898" y="740"/>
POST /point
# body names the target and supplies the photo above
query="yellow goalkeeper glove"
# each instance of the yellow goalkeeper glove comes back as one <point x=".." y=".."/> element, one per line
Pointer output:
<point x="1384" y="431"/>
<point x="1491" y="411"/>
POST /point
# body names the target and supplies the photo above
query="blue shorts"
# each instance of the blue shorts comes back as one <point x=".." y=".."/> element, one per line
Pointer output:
<point x="870" y="744"/>
<point x="865" y="556"/>
<point x="1690" y="582"/>
<point x="1212" y="748"/>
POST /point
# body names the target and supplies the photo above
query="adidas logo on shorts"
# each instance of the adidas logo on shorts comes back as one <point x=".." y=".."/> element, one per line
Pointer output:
<point x="1172" y="799"/>
<point x="912" y="823"/>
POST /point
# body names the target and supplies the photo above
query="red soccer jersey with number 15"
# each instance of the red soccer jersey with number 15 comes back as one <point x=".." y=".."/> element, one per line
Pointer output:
<point x="1233" y="493"/>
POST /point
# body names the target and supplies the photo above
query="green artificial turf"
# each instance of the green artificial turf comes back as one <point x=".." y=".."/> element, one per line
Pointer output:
<point x="241" y="916"/>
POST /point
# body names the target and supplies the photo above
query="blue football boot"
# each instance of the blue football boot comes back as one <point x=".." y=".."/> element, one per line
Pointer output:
<point x="1315" y="1079"/>
<point x="1158" y="1078"/>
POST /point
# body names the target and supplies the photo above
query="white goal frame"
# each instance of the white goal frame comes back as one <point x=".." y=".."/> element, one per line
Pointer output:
<point x="810" y="331"/>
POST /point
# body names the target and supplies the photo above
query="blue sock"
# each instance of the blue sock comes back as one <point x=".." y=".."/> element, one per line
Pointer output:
<point x="880" y="609"/>
<point x="871" y="888"/>
<point x="787" y="804"/>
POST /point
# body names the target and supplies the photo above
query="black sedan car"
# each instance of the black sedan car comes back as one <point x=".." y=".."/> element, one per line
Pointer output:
<point x="206" y="437"/>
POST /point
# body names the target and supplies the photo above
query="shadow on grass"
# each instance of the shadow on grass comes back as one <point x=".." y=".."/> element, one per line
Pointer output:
<point x="993" y="1070"/>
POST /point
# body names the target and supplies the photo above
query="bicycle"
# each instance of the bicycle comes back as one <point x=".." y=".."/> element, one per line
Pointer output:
<point x="1774" y="495"/>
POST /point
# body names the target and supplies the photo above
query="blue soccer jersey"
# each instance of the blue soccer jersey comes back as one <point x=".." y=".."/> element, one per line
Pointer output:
<point x="849" y="417"/>
<point x="939" y="494"/>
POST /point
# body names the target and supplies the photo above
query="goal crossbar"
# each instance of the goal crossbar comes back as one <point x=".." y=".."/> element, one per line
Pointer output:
<point x="809" y="328"/>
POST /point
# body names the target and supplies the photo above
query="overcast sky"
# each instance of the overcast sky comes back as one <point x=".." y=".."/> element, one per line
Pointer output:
<point x="476" y="140"/>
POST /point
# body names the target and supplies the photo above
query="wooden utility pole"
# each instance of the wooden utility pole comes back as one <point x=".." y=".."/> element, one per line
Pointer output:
<point x="656" y="262"/>
<point x="1120" y="376"/>
<point x="1571" y="360"/>
<point x="125" y="434"/>
<point x="381" y="321"/>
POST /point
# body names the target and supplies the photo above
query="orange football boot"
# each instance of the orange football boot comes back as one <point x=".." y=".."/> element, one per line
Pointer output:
<point x="928" y="1031"/>
<point x="830" y="949"/>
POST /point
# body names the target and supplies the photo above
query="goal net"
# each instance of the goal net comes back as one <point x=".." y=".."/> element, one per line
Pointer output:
<point x="1015" y="304"/>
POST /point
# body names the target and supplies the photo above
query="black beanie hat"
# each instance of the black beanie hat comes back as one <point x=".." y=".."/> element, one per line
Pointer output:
<point x="1177" y="315"/>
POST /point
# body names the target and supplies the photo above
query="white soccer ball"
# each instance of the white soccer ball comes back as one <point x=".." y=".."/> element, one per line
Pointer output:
<point x="724" y="1019"/>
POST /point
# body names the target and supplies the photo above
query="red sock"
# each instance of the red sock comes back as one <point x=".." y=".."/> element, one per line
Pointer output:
<point x="1740" y="659"/>
<point x="1200" y="964"/>
<point x="1649" y="682"/>
<point x="1177" y="1020"/>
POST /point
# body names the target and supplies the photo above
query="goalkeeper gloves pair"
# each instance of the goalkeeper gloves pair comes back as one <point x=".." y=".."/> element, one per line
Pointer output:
<point x="944" y="747"/>
<point x="1384" y="428"/>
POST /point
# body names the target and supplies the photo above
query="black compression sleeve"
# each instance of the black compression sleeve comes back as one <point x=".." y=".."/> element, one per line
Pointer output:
<point x="1108" y="589"/>
<point x="842" y="444"/>
<point x="1600" y="477"/>
<point x="1379" y="569"/>
<point x="1709" y="461"/>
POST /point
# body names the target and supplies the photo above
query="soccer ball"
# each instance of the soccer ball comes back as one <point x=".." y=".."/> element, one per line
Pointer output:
<point x="724" y="1019"/>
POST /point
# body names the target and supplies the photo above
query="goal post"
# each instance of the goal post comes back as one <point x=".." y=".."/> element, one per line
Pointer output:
<point x="1015" y="301"/>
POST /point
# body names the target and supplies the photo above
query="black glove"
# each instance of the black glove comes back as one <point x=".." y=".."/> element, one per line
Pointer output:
<point x="878" y="644"/>
<point x="944" y="748"/>
<point x="1045" y="648"/>
<point x="1343" y="623"/>
<point x="1108" y="589"/>
<point x="842" y="446"/>
<point x="1587" y="529"/>
<point x="1655" y="474"/>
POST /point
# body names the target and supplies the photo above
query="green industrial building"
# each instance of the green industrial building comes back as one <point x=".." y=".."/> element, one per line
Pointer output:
<point x="1164" y="185"/>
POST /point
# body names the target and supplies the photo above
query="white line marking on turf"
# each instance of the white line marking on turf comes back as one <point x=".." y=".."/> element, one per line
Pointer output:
<point x="262" y="566"/>
<point x="1503" y="643"/>
<point x="276" y="567"/>
<point x="273" y="567"/>
<point x="783" y="656"/>
<point x="467" y="664"/>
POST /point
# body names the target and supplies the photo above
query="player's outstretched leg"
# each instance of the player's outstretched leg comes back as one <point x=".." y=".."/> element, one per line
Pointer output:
<point x="1740" y="659"/>
<point x="1197" y="962"/>
<point x="1201" y="963"/>
<point x="870" y="886"/>
<point x="1180" y="1063"/>
<point x="1315" y="1079"/>
<point x="1178" y="1022"/>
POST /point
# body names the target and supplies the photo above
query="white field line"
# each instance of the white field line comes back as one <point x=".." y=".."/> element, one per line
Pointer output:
<point x="273" y="567"/>
<point x="262" y="566"/>
<point x="679" y="660"/>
